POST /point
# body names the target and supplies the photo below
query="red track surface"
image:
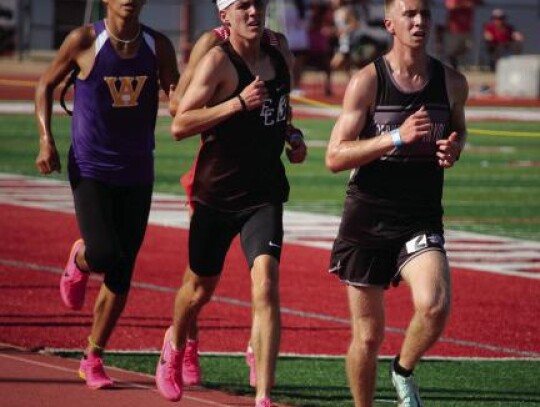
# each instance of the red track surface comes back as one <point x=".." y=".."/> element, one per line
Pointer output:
<point x="493" y="315"/>
<point x="30" y="379"/>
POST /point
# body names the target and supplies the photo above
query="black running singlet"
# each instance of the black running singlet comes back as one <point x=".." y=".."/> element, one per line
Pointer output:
<point x="401" y="192"/>
<point x="239" y="164"/>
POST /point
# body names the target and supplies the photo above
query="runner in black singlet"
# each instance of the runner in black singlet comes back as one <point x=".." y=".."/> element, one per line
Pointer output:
<point x="401" y="126"/>
<point x="239" y="101"/>
<point x="191" y="370"/>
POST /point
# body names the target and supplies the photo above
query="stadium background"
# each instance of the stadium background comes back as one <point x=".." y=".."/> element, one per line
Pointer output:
<point x="490" y="355"/>
<point x="40" y="25"/>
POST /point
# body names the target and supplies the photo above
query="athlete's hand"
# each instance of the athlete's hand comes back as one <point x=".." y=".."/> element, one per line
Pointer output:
<point x="48" y="160"/>
<point x="448" y="150"/>
<point x="296" y="149"/>
<point x="172" y="88"/>
<point x="415" y="127"/>
<point x="173" y="103"/>
<point x="254" y="94"/>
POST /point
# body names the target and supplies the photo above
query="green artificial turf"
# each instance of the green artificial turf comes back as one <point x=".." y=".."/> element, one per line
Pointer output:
<point x="493" y="189"/>
<point x="321" y="382"/>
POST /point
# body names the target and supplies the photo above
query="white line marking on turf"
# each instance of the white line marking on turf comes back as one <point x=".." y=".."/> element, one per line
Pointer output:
<point x="284" y="310"/>
<point x="331" y="111"/>
<point x="292" y="355"/>
<point x="306" y="229"/>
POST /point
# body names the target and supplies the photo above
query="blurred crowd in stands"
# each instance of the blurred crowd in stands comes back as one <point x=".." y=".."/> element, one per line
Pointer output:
<point x="329" y="35"/>
<point x="344" y="35"/>
<point x="455" y="38"/>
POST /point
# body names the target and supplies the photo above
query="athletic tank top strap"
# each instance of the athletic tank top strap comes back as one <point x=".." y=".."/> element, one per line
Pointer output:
<point x="405" y="185"/>
<point x="99" y="27"/>
<point x="239" y="165"/>
<point x="388" y="91"/>
<point x="393" y="105"/>
<point x="381" y="76"/>
<point x="115" y="109"/>
<point x="270" y="37"/>
<point x="244" y="74"/>
<point x="280" y="65"/>
<point x="149" y="35"/>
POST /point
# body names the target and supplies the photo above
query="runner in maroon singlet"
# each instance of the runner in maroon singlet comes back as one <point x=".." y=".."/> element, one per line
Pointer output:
<point x="239" y="101"/>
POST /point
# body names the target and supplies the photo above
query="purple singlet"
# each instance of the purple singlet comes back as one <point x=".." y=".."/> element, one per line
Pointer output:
<point x="114" y="114"/>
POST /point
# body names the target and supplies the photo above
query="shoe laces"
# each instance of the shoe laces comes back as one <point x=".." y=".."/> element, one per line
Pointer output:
<point x="174" y="367"/>
<point x="95" y="366"/>
<point x="191" y="359"/>
<point x="264" y="403"/>
<point x="75" y="276"/>
<point x="409" y="390"/>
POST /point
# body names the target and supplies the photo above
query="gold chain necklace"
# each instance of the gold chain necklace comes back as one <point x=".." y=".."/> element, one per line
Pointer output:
<point x="121" y="41"/>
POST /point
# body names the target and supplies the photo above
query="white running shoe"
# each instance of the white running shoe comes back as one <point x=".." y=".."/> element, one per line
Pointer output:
<point x="406" y="388"/>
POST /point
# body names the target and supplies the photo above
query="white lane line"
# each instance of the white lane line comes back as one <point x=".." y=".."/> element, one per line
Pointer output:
<point x="473" y="251"/>
<point x="285" y="311"/>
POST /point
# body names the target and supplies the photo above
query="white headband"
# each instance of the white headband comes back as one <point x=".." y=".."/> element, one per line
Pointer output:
<point x="223" y="4"/>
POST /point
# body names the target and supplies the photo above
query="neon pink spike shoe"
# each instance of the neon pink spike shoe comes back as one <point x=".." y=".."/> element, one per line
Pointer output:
<point x="169" y="370"/>
<point x="91" y="370"/>
<point x="250" y="361"/>
<point x="265" y="402"/>
<point x="191" y="371"/>
<point x="73" y="281"/>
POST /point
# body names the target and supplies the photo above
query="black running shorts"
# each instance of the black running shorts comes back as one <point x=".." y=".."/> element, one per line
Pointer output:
<point x="358" y="266"/>
<point x="112" y="220"/>
<point x="211" y="232"/>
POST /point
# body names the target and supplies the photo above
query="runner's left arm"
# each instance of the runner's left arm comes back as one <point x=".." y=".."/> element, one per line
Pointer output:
<point x="167" y="66"/>
<point x="449" y="149"/>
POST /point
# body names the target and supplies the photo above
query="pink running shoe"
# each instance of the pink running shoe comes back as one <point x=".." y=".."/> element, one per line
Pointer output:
<point x="73" y="281"/>
<point x="191" y="371"/>
<point x="91" y="370"/>
<point x="265" y="402"/>
<point x="250" y="361"/>
<point x="169" y="370"/>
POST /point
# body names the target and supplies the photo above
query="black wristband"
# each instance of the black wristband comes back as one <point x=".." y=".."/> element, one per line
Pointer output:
<point x="243" y="103"/>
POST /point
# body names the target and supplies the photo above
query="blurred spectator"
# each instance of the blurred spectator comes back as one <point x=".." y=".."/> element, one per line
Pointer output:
<point x="501" y="38"/>
<point x="289" y="17"/>
<point x="370" y="39"/>
<point x="359" y="40"/>
<point x="459" y="28"/>
<point x="346" y="22"/>
<point x="321" y="33"/>
<point x="7" y="30"/>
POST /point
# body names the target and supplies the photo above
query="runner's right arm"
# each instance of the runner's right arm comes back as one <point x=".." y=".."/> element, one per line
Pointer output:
<point x="65" y="61"/>
<point x="205" y="102"/>
<point x="204" y="44"/>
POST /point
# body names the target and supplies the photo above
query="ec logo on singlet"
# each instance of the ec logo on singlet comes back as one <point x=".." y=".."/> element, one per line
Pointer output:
<point x="269" y="113"/>
<point x="128" y="92"/>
